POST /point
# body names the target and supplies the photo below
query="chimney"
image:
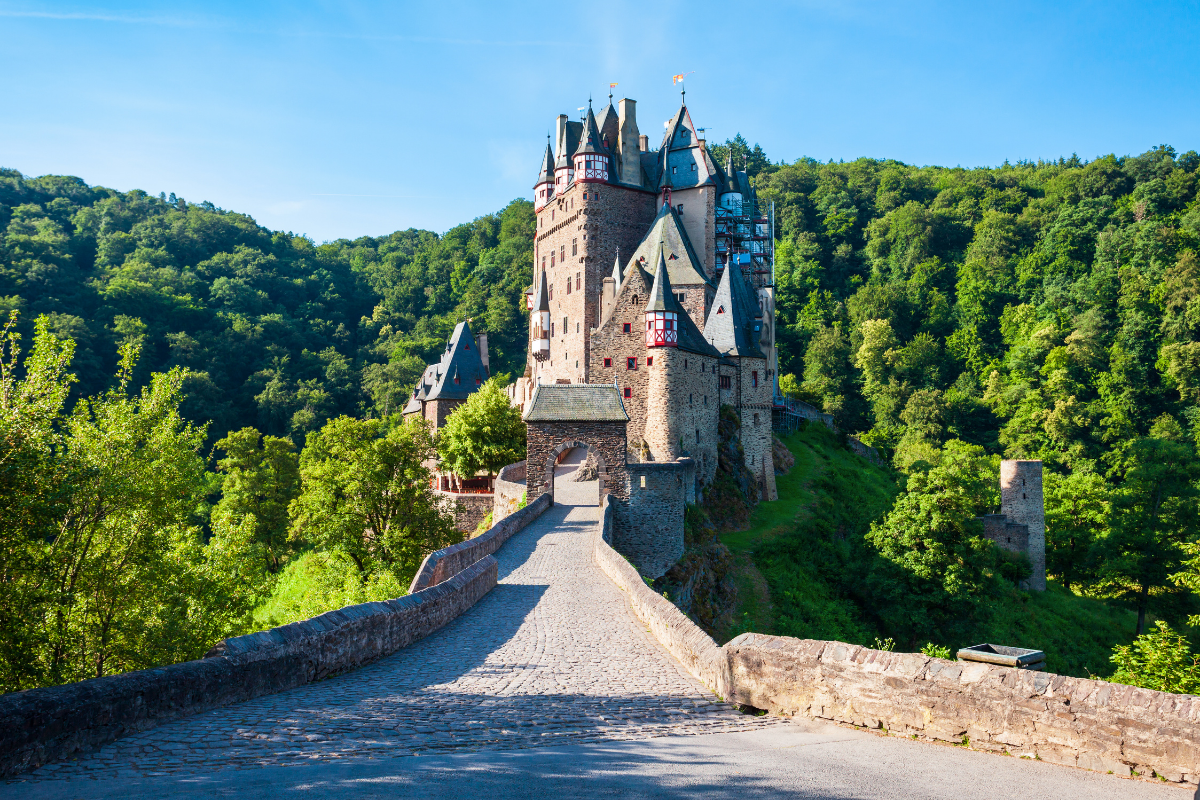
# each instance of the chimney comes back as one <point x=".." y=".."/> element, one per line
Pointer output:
<point x="628" y="141"/>
<point x="560" y="137"/>
<point x="644" y="143"/>
<point x="481" y="343"/>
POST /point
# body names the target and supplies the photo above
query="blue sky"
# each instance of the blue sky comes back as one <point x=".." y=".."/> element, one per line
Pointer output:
<point x="347" y="119"/>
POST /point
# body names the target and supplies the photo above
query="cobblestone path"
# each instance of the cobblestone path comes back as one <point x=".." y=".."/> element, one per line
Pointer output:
<point x="552" y="655"/>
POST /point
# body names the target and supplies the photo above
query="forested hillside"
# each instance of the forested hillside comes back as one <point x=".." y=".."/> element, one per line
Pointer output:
<point x="202" y="438"/>
<point x="277" y="332"/>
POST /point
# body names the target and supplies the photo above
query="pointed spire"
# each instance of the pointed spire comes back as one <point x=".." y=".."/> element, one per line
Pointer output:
<point x="543" y="301"/>
<point x="618" y="273"/>
<point x="546" y="174"/>
<point x="589" y="141"/>
<point x="661" y="297"/>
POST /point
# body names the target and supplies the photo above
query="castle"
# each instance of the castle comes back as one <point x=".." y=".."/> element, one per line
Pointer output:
<point x="653" y="273"/>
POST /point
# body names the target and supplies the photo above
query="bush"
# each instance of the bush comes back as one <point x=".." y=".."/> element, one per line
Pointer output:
<point x="317" y="582"/>
<point x="1161" y="660"/>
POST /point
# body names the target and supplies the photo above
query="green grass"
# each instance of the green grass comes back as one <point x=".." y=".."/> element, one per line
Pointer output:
<point x="801" y="558"/>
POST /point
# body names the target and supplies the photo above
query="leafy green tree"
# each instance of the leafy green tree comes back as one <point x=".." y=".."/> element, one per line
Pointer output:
<point x="1155" y="516"/>
<point x="1161" y="660"/>
<point x="366" y="490"/>
<point x="321" y="581"/>
<point x="1077" y="516"/>
<point x="261" y="478"/>
<point x="483" y="434"/>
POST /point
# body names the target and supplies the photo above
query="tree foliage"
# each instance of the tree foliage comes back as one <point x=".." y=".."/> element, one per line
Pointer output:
<point x="483" y="434"/>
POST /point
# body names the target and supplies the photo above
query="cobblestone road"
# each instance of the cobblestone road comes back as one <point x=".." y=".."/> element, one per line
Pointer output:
<point x="551" y="656"/>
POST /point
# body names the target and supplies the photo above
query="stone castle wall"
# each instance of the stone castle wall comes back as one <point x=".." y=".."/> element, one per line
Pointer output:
<point x="692" y="399"/>
<point x="1005" y="533"/>
<point x="468" y="508"/>
<point x="612" y="342"/>
<point x="509" y="491"/>
<point x="649" y="524"/>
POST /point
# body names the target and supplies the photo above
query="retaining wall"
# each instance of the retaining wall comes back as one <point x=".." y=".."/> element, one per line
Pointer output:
<point x="694" y="648"/>
<point x="440" y="565"/>
<point x="57" y="722"/>
<point x="468" y="508"/>
<point x="509" y="489"/>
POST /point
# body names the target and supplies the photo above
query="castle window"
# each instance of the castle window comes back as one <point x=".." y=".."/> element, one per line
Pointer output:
<point x="574" y="247"/>
<point x="631" y="362"/>
<point x="693" y="167"/>
<point x="562" y="253"/>
<point x="706" y="401"/>
<point x="456" y="380"/>
<point x="608" y="362"/>
<point x="756" y="419"/>
<point x="649" y="361"/>
<point x="726" y="382"/>
<point x="567" y="327"/>
<point x="596" y="195"/>
<point x="552" y="291"/>
<point x="543" y="262"/>
<point x="674" y="170"/>
<point x="685" y="363"/>
<point x="627" y="328"/>
<point x="568" y="285"/>
<point x="679" y="296"/>
<point x="643" y="483"/>
<point x="577" y="327"/>
<point x="697" y="436"/>
<point x="628" y="392"/>
<point x="577" y="281"/>
<point x="477" y="381"/>
<point x="754" y="382"/>
<point x="636" y="302"/>
<point x="551" y="330"/>
<point x="689" y="398"/>
<point x="679" y="208"/>
<point x="552" y="254"/>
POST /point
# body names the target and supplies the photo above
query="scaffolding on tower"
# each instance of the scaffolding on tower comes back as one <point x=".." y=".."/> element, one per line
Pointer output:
<point x="745" y="236"/>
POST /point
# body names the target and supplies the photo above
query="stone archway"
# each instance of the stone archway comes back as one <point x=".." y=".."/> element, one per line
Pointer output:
<point x="557" y="465"/>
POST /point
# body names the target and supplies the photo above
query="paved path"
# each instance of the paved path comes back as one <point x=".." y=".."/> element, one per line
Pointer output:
<point x="551" y="655"/>
<point x="548" y="685"/>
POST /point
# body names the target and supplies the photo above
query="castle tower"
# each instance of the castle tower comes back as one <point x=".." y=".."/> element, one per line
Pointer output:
<point x="1021" y="502"/>
<point x="539" y="339"/>
<point x="591" y="160"/>
<point x="664" y="430"/>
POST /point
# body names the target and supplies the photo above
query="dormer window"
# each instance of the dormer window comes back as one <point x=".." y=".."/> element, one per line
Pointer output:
<point x="720" y="309"/>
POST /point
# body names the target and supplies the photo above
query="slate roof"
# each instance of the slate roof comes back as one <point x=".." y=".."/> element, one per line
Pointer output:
<point x="575" y="402"/>
<point x="546" y="173"/>
<point x="731" y="320"/>
<point x="461" y="360"/>
<point x="590" y="142"/>
<point x="566" y="149"/>
<point x="667" y="236"/>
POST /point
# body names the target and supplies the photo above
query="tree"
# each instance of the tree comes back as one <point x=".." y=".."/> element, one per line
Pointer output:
<point x="260" y="481"/>
<point x="1154" y="519"/>
<point x="483" y="434"/>
<point x="366" y="491"/>
<point x="1077" y="514"/>
<point x="1159" y="660"/>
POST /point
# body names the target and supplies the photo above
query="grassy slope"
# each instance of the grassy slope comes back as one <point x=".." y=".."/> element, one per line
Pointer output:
<point x="799" y="556"/>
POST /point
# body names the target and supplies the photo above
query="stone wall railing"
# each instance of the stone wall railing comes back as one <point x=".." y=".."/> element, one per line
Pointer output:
<point x="1082" y="723"/>
<point x="57" y="722"/>
<point x="440" y="565"/>
<point x="509" y="491"/>
<point x="694" y="648"/>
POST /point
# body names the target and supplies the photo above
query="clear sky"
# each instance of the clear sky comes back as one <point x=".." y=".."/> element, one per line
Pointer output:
<point x="353" y="118"/>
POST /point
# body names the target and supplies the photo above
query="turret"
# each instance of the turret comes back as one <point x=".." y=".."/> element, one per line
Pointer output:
<point x="612" y="285"/>
<point x="591" y="161"/>
<point x="662" y="314"/>
<point x="731" y="192"/>
<point x="543" y="190"/>
<point x="540" y="341"/>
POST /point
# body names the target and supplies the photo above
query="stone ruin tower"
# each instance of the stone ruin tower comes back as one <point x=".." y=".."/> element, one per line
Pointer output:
<point x="1021" y="503"/>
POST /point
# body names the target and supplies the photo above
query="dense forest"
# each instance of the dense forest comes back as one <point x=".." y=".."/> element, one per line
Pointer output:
<point x="222" y="382"/>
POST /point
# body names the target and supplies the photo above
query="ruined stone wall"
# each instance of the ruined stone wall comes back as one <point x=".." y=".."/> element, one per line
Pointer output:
<point x="544" y="440"/>
<point x="649" y="524"/>
<point x="510" y="489"/>
<point x="468" y="508"/>
<point x="1021" y="501"/>
<point x="58" y="722"/>
<point x="1073" y="721"/>
<point x="1006" y="534"/>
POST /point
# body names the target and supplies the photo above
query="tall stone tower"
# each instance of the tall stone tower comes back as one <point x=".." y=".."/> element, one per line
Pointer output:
<point x="1021" y="502"/>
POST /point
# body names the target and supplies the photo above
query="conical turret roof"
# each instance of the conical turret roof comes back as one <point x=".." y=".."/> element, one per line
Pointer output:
<point x="618" y="274"/>
<point x="589" y="141"/>
<point x="730" y="184"/>
<point x="731" y="320"/>
<point x="546" y="174"/>
<point x="543" y="300"/>
<point x="661" y="297"/>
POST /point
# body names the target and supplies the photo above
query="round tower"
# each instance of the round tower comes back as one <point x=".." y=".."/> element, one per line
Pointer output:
<point x="591" y="161"/>
<point x="1021" y="502"/>
<point x="664" y="425"/>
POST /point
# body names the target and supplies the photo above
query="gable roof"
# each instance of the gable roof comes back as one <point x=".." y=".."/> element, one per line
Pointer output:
<point x="667" y="236"/>
<point x="461" y="360"/>
<point x="575" y="402"/>
<point x="731" y="320"/>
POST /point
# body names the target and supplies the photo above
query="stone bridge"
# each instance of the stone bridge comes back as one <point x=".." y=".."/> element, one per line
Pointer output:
<point x="549" y="684"/>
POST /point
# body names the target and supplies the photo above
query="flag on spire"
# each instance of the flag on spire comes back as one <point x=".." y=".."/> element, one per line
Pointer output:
<point x="612" y="86"/>
<point x="679" y="78"/>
